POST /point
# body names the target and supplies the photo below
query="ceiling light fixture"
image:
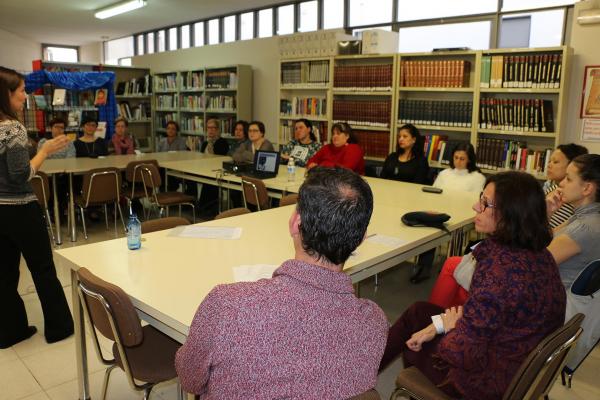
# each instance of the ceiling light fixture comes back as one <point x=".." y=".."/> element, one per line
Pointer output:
<point x="119" y="8"/>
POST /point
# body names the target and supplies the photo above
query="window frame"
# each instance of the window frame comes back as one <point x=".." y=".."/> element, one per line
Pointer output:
<point x="44" y="46"/>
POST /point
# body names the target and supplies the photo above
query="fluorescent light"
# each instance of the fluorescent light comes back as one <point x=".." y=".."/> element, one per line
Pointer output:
<point x="119" y="8"/>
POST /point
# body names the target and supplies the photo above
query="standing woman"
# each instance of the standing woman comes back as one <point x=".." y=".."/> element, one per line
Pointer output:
<point x="343" y="151"/>
<point x="303" y="146"/>
<point x="122" y="142"/>
<point x="408" y="163"/>
<point x="22" y="230"/>
<point x="89" y="145"/>
<point x="463" y="173"/>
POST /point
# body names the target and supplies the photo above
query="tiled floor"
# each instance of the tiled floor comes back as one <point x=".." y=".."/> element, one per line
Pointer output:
<point x="35" y="370"/>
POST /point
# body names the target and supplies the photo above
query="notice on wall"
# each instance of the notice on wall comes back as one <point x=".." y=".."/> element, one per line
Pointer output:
<point x="590" y="130"/>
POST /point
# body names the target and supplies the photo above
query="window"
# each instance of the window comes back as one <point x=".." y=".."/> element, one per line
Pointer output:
<point x="150" y="42"/>
<point x="308" y="16"/>
<point x="247" y="26"/>
<point x="333" y="14"/>
<point x="428" y="9"/>
<point x="285" y="20"/>
<point x="140" y="45"/>
<point x="358" y="32"/>
<point x="116" y="49"/>
<point x="126" y="62"/>
<point x="172" y="38"/>
<point x="513" y="5"/>
<point x="213" y="31"/>
<point x="370" y="12"/>
<point x="229" y="29"/>
<point x="265" y="23"/>
<point x="199" y="34"/>
<point x="475" y="35"/>
<point x="61" y="53"/>
<point x="185" y="36"/>
<point x="536" y="29"/>
<point x="161" y="40"/>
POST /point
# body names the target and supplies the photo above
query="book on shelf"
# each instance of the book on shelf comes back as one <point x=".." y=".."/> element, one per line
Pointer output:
<point x="542" y="70"/>
<point x="374" y="143"/>
<point x="525" y="115"/>
<point x="138" y="112"/>
<point x="305" y="72"/>
<point x="314" y="106"/>
<point x="74" y="118"/>
<point x="100" y="130"/>
<point x="135" y="87"/>
<point x="192" y="102"/>
<point x="363" y="77"/>
<point x="101" y="97"/>
<point x="163" y="118"/>
<point x="166" y="82"/>
<point x="375" y="113"/>
<point x="192" y="80"/>
<point x="221" y="102"/>
<point x="495" y="154"/>
<point x="40" y="101"/>
<point x="224" y="79"/>
<point x="193" y="123"/>
<point x="167" y="101"/>
<point x="59" y="97"/>
<point x="435" y="73"/>
<point x="286" y="129"/>
<point x="435" y="112"/>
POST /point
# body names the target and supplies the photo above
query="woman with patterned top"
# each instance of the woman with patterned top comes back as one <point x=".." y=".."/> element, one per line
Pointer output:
<point x="556" y="171"/>
<point x="122" y="142"/>
<point x="303" y="146"/>
<point x="516" y="299"/>
<point x="23" y="231"/>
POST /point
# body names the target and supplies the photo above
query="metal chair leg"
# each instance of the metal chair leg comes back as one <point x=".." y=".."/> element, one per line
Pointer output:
<point x="147" y="393"/>
<point x="83" y="223"/>
<point x="49" y="223"/>
<point x="180" y="211"/>
<point x="118" y="206"/>
<point x="106" y="215"/>
<point x="106" y="379"/>
<point x="193" y="213"/>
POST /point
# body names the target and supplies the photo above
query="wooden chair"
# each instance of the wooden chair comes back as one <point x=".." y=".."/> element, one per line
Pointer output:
<point x="101" y="186"/>
<point x="41" y="188"/>
<point x="152" y="181"/>
<point x="161" y="224"/>
<point x="144" y="353"/>
<point x="288" y="200"/>
<point x="533" y="379"/>
<point x="233" y="212"/>
<point x="255" y="193"/>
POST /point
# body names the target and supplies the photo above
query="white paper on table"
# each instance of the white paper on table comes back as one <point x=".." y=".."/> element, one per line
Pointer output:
<point x="209" y="232"/>
<point x="386" y="240"/>
<point x="252" y="273"/>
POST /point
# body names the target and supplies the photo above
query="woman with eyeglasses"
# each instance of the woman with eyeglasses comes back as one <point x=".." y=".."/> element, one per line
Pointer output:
<point x="256" y="133"/>
<point x="516" y="299"/>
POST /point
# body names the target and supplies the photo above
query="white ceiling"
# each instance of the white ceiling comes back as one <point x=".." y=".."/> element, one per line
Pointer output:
<point x="72" y="22"/>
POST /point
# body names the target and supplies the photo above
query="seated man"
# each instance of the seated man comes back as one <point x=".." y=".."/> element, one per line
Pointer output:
<point x="303" y="333"/>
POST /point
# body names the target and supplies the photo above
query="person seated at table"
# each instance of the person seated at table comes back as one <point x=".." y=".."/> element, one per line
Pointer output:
<point x="516" y="299"/>
<point x="172" y="142"/>
<point x="240" y="133"/>
<point x="343" y="151"/>
<point x="256" y="133"/>
<point x="303" y="146"/>
<point x="121" y="141"/>
<point x="57" y="129"/>
<point x="463" y="173"/>
<point x="88" y="145"/>
<point x="297" y="334"/>
<point x="556" y="172"/>
<point x="214" y="143"/>
<point x="407" y="163"/>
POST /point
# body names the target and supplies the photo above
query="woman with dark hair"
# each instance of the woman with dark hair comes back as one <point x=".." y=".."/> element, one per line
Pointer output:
<point x="407" y="163"/>
<point x="556" y="172"/>
<point x="23" y="230"/>
<point x="463" y="173"/>
<point x="303" y="146"/>
<point x="88" y="145"/>
<point x="240" y="133"/>
<point x="256" y="133"/>
<point x="516" y="299"/>
<point x="343" y="151"/>
<point x="172" y="142"/>
<point x="122" y="142"/>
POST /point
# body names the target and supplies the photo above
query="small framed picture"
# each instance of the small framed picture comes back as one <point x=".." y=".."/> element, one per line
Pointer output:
<point x="101" y="96"/>
<point x="590" y="95"/>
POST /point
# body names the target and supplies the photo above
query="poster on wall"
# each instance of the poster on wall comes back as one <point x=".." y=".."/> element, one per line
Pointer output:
<point x="590" y="130"/>
<point x="590" y="96"/>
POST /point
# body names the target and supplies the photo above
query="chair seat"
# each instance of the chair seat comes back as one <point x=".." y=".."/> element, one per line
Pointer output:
<point x="173" y="198"/>
<point x="154" y="359"/>
<point x="138" y="193"/>
<point x="419" y="385"/>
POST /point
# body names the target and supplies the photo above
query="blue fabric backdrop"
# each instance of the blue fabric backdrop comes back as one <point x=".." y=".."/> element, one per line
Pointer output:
<point x="80" y="81"/>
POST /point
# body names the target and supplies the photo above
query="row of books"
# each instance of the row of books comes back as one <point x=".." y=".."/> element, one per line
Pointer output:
<point x="221" y="102"/>
<point x="435" y="112"/>
<point x="303" y="106"/>
<point x="511" y="154"/>
<point x="138" y="112"/>
<point x="135" y="87"/>
<point x="286" y="129"/>
<point x="226" y="124"/>
<point x="435" y="73"/>
<point x="193" y="123"/>
<point x="524" y="71"/>
<point x="363" y="77"/>
<point x="167" y="101"/>
<point x="529" y="115"/>
<point x="163" y="83"/>
<point x="192" y="80"/>
<point x="163" y="118"/>
<point x="192" y="102"/>
<point x="366" y="113"/>
<point x="305" y="72"/>
<point x="221" y="79"/>
<point x="434" y="146"/>
<point x="373" y="143"/>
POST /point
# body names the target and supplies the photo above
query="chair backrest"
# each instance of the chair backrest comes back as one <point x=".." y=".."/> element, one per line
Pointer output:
<point x="150" y="176"/>
<point x="588" y="281"/>
<point x="233" y="212"/>
<point x="537" y="373"/>
<point x="41" y="188"/>
<point x="132" y="172"/>
<point x="255" y="192"/>
<point x="101" y="185"/>
<point x="368" y="395"/>
<point x="163" y="223"/>
<point x="104" y="302"/>
<point x="288" y="200"/>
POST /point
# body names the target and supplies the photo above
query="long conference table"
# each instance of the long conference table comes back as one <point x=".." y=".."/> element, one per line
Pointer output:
<point x="170" y="276"/>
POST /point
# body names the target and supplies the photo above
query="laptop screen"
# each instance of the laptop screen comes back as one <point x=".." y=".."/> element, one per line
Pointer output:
<point x="266" y="161"/>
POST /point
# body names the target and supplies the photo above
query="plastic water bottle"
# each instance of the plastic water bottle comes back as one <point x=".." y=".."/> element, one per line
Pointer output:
<point x="291" y="170"/>
<point x="134" y="232"/>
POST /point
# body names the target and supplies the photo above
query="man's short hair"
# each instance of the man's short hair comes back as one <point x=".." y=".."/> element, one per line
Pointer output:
<point x="335" y="207"/>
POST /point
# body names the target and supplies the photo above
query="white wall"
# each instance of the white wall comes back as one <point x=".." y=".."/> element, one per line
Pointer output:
<point x="261" y="54"/>
<point x="18" y="52"/>
<point x="584" y="41"/>
<point x="91" y="53"/>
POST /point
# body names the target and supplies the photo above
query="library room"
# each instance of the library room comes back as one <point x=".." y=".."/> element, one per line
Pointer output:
<point x="163" y="165"/>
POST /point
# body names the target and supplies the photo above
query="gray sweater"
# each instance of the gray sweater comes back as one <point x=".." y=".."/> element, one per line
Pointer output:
<point x="15" y="169"/>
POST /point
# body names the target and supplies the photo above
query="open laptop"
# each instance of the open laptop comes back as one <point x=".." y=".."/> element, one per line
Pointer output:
<point x="266" y="165"/>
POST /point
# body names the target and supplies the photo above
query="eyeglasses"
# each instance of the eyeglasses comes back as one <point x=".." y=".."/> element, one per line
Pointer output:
<point x="484" y="203"/>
